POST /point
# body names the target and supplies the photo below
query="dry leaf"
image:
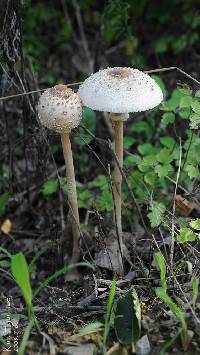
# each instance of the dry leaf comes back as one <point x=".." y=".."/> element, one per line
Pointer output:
<point x="184" y="206"/>
<point x="6" y="226"/>
<point x="117" y="349"/>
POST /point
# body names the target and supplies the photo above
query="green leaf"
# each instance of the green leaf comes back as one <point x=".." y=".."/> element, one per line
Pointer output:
<point x="20" y="272"/>
<point x="174" y="101"/>
<point x="149" y="160"/>
<point x="195" y="290"/>
<point x="167" y="118"/>
<point x="131" y="160"/>
<point x="156" y="214"/>
<point x="108" y="310"/>
<point x="195" y="224"/>
<point x="89" y="122"/>
<point x="6" y="252"/>
<point x="84" y="199"/>
<point x="4" y="199"/>
<point x="146" y="149"/>
<point x="168" y="343"/>
<point x="100" y="181"/>
<point x="49" y="187"/>
<point x="25" y="337"/>
<point x="194" y="121"/>
<point x="89" y="328"/>
<point x="128" y="142"/>
<point x="115" y="19"/>
<point x="185" y="113"/>
<point x="161" y="293"/>
<point x="162" y="44"/>
<point x="161" y="83"/>
<point x="164" y="156"/>
<point x="160" y="260"/>
<point x="185" y="101"/>
<point x="135" y="179"/>
<point x="168" y="142"/>
<point x="128" y="318"/>
<point x="185" y="91"/>
<point x="5" y="264"/>
<point x="186" y="235"/>
<point x="105" y="201"/>
<point x="197" y="93"/>
<point x="193" y="171"/>
<point x="163" y="170"/>
<point x="196" y="106"/>
<point x="150" y="178"/>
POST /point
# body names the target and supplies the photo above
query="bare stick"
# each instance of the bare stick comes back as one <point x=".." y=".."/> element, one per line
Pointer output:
<point x="173" y="68"/>
<point x="72" y="195"/>
<point x="32" y="92"/>
<point x="159" y="70"/>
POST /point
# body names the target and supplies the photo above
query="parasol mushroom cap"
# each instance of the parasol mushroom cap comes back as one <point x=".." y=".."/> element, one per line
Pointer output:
<point x="120" y="90"/>
<point x="60" y="109"/>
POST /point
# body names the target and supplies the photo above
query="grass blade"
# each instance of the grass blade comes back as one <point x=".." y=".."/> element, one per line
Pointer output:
<point x="20" y="272"/>
<point x="25" y="338"/>
<point x="168" y="343"/>
<point x="162" y="265"/>
<point x="108" y="310"/>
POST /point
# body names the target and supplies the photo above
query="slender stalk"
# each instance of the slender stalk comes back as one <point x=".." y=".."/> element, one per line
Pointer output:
<point x="72" y="195"/>
<point x="117" y="121"/>
<point x="118" y="128"/>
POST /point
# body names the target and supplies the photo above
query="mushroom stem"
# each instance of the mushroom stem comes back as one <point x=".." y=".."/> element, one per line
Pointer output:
<point x="72" y="195"/>
<point x="118" y="128"/>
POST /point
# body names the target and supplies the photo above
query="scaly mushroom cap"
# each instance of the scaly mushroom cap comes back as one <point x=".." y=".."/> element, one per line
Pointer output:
<point x="120" y="90"/>
<point x="60" y="109"/>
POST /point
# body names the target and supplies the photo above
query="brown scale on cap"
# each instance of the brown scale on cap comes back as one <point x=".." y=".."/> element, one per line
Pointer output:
<point x="120" y="73"/>
<point x="61" y="90"/>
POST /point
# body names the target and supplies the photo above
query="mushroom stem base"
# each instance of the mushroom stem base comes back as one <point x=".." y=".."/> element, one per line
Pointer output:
<point x="72" y="195"/>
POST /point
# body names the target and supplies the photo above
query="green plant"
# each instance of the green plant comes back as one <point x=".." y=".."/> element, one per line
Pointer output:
<point x="195" y="290"/>
<point x="21" y="273"/>
<point x="128" y="318"/>
<point x="161" y="292"/>
<point x="84" y="196"/>
<point x="88" y="122"/>
<point x="109" y="307"/>
<point x="98" y="326"/>
<point x="25" y="337"/>
<point x="115" y="19"/>
<point x="163" y="270"/>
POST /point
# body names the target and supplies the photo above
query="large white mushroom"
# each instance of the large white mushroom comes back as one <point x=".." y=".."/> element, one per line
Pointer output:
<point x="120" y="91"/>
<point x="60" y="109"/>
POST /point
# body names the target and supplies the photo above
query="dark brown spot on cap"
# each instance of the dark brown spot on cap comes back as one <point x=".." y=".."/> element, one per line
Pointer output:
<point x="120" y="73"/>
<point x="61" y="91"/>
